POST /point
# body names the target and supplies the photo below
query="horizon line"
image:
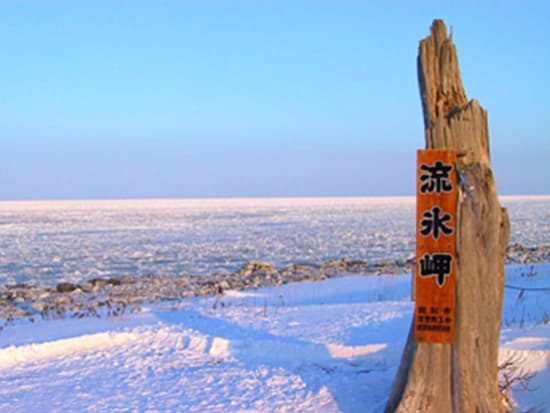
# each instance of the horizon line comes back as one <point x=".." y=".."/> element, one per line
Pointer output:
<point x="228" y="198"/>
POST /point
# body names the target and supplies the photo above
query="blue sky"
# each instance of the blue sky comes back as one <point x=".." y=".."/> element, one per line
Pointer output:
<point x="136" y="99"/>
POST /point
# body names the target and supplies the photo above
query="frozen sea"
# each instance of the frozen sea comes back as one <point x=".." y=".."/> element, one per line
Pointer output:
<point x="47" y="242"/>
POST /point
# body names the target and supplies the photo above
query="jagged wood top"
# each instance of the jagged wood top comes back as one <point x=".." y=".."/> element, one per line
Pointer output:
<point x="450" y="121"/>
<point x="439" y="76"/>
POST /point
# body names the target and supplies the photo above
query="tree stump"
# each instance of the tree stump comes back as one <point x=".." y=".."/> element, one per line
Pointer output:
<point x="462" y="377"/>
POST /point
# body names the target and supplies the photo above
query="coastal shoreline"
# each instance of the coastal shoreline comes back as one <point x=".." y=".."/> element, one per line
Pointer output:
<point x="115" y="296"/>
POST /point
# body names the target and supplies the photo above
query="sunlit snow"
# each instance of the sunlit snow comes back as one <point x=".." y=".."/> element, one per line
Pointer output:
<point x="327" y="346"/>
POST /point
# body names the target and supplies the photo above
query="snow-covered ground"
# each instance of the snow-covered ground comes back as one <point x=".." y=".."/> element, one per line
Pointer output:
<point x="327" y="346"/>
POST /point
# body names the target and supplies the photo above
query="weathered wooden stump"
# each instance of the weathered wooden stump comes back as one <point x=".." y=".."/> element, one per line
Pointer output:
<point x="462" y="377"/>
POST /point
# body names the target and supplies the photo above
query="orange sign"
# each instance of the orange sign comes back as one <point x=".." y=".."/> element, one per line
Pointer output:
<point x="436" y="198"/>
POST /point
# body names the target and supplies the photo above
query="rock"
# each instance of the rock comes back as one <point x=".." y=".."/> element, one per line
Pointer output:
<point x="43" y="295"/>
<point x="87" y="287"/>
<point x="127" y="279"/>
<point x="122" y="280"/>
<point x="39" y="306"/>
<point x="63" y="300"/>
<point x="23" y="286"/>
<point x="356" y="266"/>
<point x="98" y="282"/>
<point x="257" y="268"/>
<point x="206" y="290"/>
<point x="65" y="287"/>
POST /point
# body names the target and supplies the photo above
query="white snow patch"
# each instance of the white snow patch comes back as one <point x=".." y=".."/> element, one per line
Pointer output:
<point x="15" y="355"/>
<point x="331" y="346"/>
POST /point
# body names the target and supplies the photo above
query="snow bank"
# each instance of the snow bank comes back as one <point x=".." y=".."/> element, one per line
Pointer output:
<point x="327" y="346"/>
